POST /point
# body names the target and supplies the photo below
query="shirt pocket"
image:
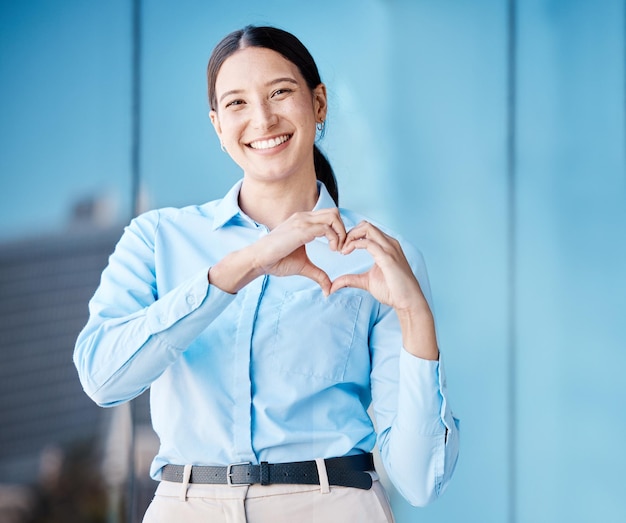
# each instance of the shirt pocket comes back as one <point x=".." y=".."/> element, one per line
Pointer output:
<point x="314" y="335"/>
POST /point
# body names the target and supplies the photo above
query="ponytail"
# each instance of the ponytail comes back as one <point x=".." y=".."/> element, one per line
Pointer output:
<point x="324" y="173"/>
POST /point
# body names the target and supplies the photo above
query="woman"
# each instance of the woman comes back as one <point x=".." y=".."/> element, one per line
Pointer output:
<point x="265" y="323"/>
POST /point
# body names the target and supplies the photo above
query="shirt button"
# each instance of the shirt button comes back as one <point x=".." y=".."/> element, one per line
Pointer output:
<point x="191" y="300"/>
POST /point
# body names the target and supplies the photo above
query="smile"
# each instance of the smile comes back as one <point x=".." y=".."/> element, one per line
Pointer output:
<point x="269" y="144"/>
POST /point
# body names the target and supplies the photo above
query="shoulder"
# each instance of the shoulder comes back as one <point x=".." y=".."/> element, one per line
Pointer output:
<point x="156" y="217"/>
<point x="148" y="226"/>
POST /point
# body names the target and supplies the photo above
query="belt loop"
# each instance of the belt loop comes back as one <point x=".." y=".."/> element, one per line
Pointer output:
<point x="264" y="473"/>
<point x="185" y="485"/>
<point x="323" y="475"/>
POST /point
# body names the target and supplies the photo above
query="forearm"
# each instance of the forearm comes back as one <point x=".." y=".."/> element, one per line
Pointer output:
<point x="418" y="332"/>
<point x="234" y="271"/>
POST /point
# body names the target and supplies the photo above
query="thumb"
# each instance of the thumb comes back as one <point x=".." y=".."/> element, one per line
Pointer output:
<point x="358" y="281"/>
<point x="316" y="274"/>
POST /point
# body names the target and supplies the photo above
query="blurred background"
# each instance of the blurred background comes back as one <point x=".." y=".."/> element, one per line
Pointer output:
<point x="490" y="133"/>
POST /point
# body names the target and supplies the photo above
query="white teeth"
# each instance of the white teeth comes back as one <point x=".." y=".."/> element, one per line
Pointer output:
<point x="268" y="144"/>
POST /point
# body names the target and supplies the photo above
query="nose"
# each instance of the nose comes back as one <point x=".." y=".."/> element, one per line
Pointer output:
<point x="264" y="116"/>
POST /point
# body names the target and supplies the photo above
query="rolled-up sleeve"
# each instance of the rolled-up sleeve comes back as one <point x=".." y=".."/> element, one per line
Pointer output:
<point x="418" y="436"/>
<point x="422" y="445"/>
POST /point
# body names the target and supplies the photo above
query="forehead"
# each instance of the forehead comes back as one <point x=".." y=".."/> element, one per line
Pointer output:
<point x="253" y="66"/>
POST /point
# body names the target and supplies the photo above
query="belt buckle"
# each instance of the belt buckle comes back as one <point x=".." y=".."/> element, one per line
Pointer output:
<point x="229" y="474"/>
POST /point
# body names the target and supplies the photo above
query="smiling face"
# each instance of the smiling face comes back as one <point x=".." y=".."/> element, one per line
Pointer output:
<point x="266" y="114"/>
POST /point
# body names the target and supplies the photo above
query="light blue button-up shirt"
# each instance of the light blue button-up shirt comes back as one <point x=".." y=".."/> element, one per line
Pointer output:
<point x="275" y="373"/>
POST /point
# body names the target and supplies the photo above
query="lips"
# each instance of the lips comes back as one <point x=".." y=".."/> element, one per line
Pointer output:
<point x="270" y="143"/>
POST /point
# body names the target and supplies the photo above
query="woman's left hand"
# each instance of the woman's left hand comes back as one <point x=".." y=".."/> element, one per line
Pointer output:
<point x="392" y="282"/>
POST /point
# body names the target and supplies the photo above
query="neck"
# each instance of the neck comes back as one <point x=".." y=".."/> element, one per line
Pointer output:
<point x="271" y="203"/>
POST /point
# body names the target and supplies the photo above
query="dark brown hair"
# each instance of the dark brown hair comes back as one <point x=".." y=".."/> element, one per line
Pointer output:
<point x="293" y="50"/>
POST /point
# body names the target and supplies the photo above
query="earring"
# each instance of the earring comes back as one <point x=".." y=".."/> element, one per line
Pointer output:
<point x="223" y="148"/>
<point x="320" y="126"/>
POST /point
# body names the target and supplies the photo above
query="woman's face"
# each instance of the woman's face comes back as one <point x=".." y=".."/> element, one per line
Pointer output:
<point x="266" y="114"/>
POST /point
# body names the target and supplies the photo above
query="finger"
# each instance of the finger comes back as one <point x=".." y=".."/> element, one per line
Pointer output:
<point x="335" y="242"/>
<point x="371" y="246"/>
<point x="337" y="231"/>
<point x="356" y="233"/>
<point x="357" y="281"/>
<point x="361" y="228"/>
<point x="316" y="274"/>
<point x="377" y="243"/>
<point x="323" y="223"/>
<point x="367" y="230"/>
<point x="332" y="218"/>
<point x="322" y="229"/>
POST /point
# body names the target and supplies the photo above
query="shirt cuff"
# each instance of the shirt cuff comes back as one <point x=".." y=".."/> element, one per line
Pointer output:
<point x="421" y="398"/>
<point x="183" y="313"/>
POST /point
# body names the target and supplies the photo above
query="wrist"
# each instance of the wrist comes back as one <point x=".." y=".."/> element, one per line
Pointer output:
<point x="418" y="332"/>
<point x="418" y="313"/>
<point x="234" y="271"/>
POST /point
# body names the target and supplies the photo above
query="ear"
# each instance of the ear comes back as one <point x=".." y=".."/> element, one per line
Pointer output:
<point x="320" y="102"/>
<point x="216" y="123"/>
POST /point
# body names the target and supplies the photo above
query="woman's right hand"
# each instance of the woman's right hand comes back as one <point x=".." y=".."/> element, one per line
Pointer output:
<point x="282" y="252"/>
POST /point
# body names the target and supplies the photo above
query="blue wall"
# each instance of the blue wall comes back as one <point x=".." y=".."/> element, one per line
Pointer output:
<point x="515" y="192"/>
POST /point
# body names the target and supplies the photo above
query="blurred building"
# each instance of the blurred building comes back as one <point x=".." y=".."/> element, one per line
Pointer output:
<point x="49" y="426"/>
<point x="45" y="284"/>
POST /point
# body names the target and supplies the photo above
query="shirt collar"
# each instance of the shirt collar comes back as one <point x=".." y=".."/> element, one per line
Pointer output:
<point x="228" y="207"/>
<point x="325" y="200"/>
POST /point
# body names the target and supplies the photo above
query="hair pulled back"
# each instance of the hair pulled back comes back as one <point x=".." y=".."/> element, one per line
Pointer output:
<point x="293" y="50"/>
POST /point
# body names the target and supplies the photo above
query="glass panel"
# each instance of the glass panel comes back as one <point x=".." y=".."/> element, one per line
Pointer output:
<point x="446" y="107"/>
<point x="65" y="115"/>
<point x="572" y="261"/>
<point x="65" y="190"/>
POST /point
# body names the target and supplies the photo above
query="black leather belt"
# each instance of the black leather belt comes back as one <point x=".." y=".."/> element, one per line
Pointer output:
<point x="348" y="471"/>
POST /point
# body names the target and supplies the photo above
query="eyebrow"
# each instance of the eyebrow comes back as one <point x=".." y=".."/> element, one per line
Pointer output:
<point x="268" y="84"/>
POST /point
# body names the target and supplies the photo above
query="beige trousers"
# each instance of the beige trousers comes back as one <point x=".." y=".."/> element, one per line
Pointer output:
<point x="199" y="503"/>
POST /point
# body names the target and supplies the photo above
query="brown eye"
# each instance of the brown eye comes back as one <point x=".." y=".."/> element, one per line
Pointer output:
<point x="234" y="103"/>
<point x="279" y="92"/>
